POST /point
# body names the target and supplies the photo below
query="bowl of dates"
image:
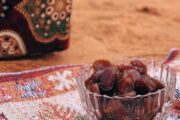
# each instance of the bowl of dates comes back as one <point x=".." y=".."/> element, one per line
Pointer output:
<point x="133" y="89"/>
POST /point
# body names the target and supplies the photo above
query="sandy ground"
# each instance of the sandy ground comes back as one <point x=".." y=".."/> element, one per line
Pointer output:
<point x="112" y="29"/>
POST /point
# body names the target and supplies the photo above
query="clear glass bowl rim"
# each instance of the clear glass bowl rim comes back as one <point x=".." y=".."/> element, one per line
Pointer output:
<point x="89" y="66"/>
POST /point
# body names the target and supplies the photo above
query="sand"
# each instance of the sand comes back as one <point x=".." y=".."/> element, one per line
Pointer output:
<point x="112" y="29"/>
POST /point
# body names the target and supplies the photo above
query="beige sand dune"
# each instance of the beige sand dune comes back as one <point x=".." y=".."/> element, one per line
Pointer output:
<point x="113" y="29"/>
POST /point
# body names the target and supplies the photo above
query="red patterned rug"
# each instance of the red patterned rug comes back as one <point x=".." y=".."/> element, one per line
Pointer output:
<point x="51" y="93"/>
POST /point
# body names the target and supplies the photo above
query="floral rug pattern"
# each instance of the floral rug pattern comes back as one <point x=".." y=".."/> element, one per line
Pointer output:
<point x="51" y="93"/>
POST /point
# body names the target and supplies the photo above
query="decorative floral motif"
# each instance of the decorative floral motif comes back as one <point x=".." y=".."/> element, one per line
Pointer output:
<point x="65" y="80"/>
<point x="3" y="8"/>
<point x="34" y="96"/>
<point x="28" y="90"/>
<point x="11" y="44"/>
<point x="48" y="19"/>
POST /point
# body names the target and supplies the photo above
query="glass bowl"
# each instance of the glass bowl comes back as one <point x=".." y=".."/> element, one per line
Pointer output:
<point x="152" y="106"/>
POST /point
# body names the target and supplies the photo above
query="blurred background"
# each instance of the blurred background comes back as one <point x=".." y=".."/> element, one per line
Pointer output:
<point x="111" y="29"/>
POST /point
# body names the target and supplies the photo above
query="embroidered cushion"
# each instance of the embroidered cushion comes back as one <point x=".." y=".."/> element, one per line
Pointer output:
<point x="31" y="27"/>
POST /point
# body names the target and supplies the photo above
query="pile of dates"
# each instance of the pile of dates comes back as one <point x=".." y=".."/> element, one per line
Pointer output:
<point x="124" y="80"/>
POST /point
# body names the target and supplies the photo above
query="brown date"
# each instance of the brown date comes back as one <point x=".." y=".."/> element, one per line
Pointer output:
<point x="123" y="67"/>
<point x="134" y="74"/>
<point x="88" y="83"/>
<point x="139" y="66"/>
<point x="158" y="84"/>
<point x="125" y="84"/>
<point x="141" y="87"/>
<point x="114" y="110"/>
<point x="148" y="102"/>
<point x="101" y="64"/>
<point x="94" y="88"/>
<point x="149" y="82"/>
<point x="95" y="77"/>
<point x="108" y="80"/>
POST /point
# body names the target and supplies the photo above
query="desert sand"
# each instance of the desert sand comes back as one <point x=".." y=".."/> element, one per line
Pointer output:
<point x="113" y="29"/>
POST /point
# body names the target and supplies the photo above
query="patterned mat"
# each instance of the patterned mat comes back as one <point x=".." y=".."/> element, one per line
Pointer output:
<point x="51" y="93"/>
